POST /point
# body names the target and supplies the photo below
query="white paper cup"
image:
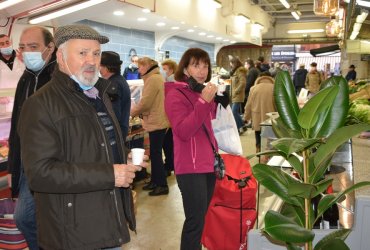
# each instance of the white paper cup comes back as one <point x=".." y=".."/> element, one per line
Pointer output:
<point x="137" y="155"/>
<point x="221" y="89"/>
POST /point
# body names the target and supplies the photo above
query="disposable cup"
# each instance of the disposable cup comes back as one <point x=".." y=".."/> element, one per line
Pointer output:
<point x="220" y="89"/>
<point x="137" y="155"/>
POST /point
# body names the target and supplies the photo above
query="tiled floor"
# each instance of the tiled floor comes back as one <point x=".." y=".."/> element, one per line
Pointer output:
<point x="159" y="219"/>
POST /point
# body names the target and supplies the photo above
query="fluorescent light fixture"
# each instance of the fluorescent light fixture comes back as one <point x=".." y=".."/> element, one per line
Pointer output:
<point x="202" y="33"/>
<point x="146" y="10"/>
<point x="259" y="26"/>
<point x="295" y="15"/>
<point x="305" y="31"/>
<point x="210" y="36"/>
<point x="363" y="3"/>
<point x="118" y="13"/>
<point x="362" y="17"/>
<point x="243" y="18"/>
<point x="141" y="19"/>
<point x="225" y="40"/>
<point x="9" y="3"/>
<point x="190" y="30"/>
<point x="285" y="3"/>
<point x="357" y="27"/>
<point x="233" y="41"/>
<point x="175" y="28"/>
<point x="49" y="6"/>
<point x="217" y="4"/>
<point x="161" y="24"/>
<point x="65" y="11"/>
<point x="218" y="38"/>
<point x="353" y="35"/>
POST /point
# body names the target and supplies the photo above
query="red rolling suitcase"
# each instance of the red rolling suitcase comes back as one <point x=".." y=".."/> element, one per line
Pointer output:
<point x="232" y="210"/>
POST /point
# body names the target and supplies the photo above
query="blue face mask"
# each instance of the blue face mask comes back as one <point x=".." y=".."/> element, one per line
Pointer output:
<point x="7" y="51"/>
<point x="82" y="86"/>
<point x="33" y="60"/>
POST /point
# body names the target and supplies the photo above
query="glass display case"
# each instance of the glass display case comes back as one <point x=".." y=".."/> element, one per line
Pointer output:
<point x="6" y="107"/>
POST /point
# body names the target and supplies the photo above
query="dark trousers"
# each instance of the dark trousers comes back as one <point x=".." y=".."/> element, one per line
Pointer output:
<point x="168" y="150"/>
<point x="196" y="191"/>
<point x="257" y="135"/>
<point x="156" y="139"/>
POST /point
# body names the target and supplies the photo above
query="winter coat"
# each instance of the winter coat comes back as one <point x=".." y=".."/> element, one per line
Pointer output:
<point x="252" y="75"/>
<point x="313" y="81"/>
<point x="151" y="104"/>
<point x="187" y="112"/>
<point x="238" y="83"/>
<point x="299" y="78"/>
<point x="69" y="167"/>
<point x="27" y="85"/>
<point x="260" y="101"/>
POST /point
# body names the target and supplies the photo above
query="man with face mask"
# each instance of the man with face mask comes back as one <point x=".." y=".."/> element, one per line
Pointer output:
<point x="38" y="52"/>
<point x="73" y="151"/>
<point x="131" y="72"/>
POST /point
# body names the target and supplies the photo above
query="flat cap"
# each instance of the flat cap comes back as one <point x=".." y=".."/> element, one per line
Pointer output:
<point x="110" y="58"/>
<point x="77" y="31"/>
<point x="313" y="64"/>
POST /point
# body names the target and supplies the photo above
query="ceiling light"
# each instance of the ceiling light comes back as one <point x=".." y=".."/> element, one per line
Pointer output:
<point x="353" y="35"/>
<point x="9" y="3"/>
<point x="362" y="17"/>
<point x="305" y="31"/>
<point x="146" y="10"/>
<point x="118" y="13"/>
<point x="285" y="3"/>
<point x="190" y="30"/>
<point x="202" y="33"/>
<point x="218" y="38"/>
<point x="243" y="18"/>
<point x="295" y="15"/>
<point x="363" y="3"/>
<point x="175" y="28"/>
<point x="258" y="26"/>
<point x="225" y="40"/>
<point x="232" y="41"/>
<point x="141" y="19"/>
<point x="357" y="27"/>
<point x="49" y="6"/>
<point x="210" y="36"/>
<point x="217" y="4"/>
<point x="65" y="11"/>
<point x="161" y="24"/>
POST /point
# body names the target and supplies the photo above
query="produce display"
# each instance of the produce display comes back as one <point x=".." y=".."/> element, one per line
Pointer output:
<point x="4" y="149"/>
<point x="359" y="111"/>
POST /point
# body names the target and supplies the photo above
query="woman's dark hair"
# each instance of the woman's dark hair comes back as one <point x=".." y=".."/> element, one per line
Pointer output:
<point x="192" y="56"/>
<point x="235" y="64"/>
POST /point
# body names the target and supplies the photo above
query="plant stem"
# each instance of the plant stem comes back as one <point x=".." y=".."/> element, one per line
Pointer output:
<point x="307" y="202"/>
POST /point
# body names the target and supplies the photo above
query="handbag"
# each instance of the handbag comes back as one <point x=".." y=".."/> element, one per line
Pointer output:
<point x="226" y="131"/>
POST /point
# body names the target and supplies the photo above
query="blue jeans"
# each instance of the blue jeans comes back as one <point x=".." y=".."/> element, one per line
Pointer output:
<point x="25" y="214"/>
<point x="235" y="107"/>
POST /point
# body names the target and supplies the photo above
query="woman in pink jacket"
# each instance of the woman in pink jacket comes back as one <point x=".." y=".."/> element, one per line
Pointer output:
<point x="190" y="105"/>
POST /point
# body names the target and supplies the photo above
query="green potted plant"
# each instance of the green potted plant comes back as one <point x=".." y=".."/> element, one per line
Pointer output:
<point x="314" y="132"/>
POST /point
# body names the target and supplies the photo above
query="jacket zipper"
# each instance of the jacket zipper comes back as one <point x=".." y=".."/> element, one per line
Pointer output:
<point x="193" y="151"/>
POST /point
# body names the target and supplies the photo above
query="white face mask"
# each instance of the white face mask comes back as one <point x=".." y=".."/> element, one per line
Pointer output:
<point x="7" y="51"/>
<point x="34" y="60"/>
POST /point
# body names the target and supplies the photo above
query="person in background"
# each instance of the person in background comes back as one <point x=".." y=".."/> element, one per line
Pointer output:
<point x="252" y="75"/>
<point x="238" y="83"/>
<point x="118" y="90"/>
<point x="151" y="109"/>
<point x="131" y="72"/>
<point x="314" y="79"/>
<point x="275" y="70"/>
<point x="38" y="51"/>
<point x="76" y="165"/>
<point x="299" y="78"/>
<point x="169" y="67"/>
<point x="190" y="106"/>
<point x="263" y="66"/>
<point x="11" y="68"/>
<point x="260" y="102"/>
<point x="351" y="75"/>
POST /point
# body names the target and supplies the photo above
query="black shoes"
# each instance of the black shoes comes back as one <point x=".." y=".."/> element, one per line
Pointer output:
<point x="242" y="129"/>
<point x="149" y="186"/>
<point x="159" y="190"/>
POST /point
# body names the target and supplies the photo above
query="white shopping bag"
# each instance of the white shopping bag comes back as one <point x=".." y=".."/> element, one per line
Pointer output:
<point x="226" y="132"/>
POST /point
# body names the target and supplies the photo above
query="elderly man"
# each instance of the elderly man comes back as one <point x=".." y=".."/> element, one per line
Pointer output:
<point x="73" y="151"/>
<point x="39" y="54"/>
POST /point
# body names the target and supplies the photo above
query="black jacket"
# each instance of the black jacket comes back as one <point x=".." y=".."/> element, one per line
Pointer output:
<point x="29" y="83"/>
<point x="299" y="78"/>
<point x="252" y="75"/>
<point x="69" y="166"/>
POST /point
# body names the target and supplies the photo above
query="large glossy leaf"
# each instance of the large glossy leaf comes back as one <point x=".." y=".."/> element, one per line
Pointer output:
<point x="278" y="182"/>
<point x="336" y="244"/>
<point x="284" y="229"/>
<point x="329" y="200"/>
<point x="296" y="164"/>
<point x="317" y="172"/>
<point x="321" y="102"/>
<point x="293" y="212"/>
<point x="336" y="116"/>
<point x="293" y="145"/>
<point x="340" y="234"/>
<point x="286" y="100"/>
<point x="322" y="186"/>
<point x="303" y="190"/>
<point x="281" y="130"/>
<point x="340" y="136"/>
